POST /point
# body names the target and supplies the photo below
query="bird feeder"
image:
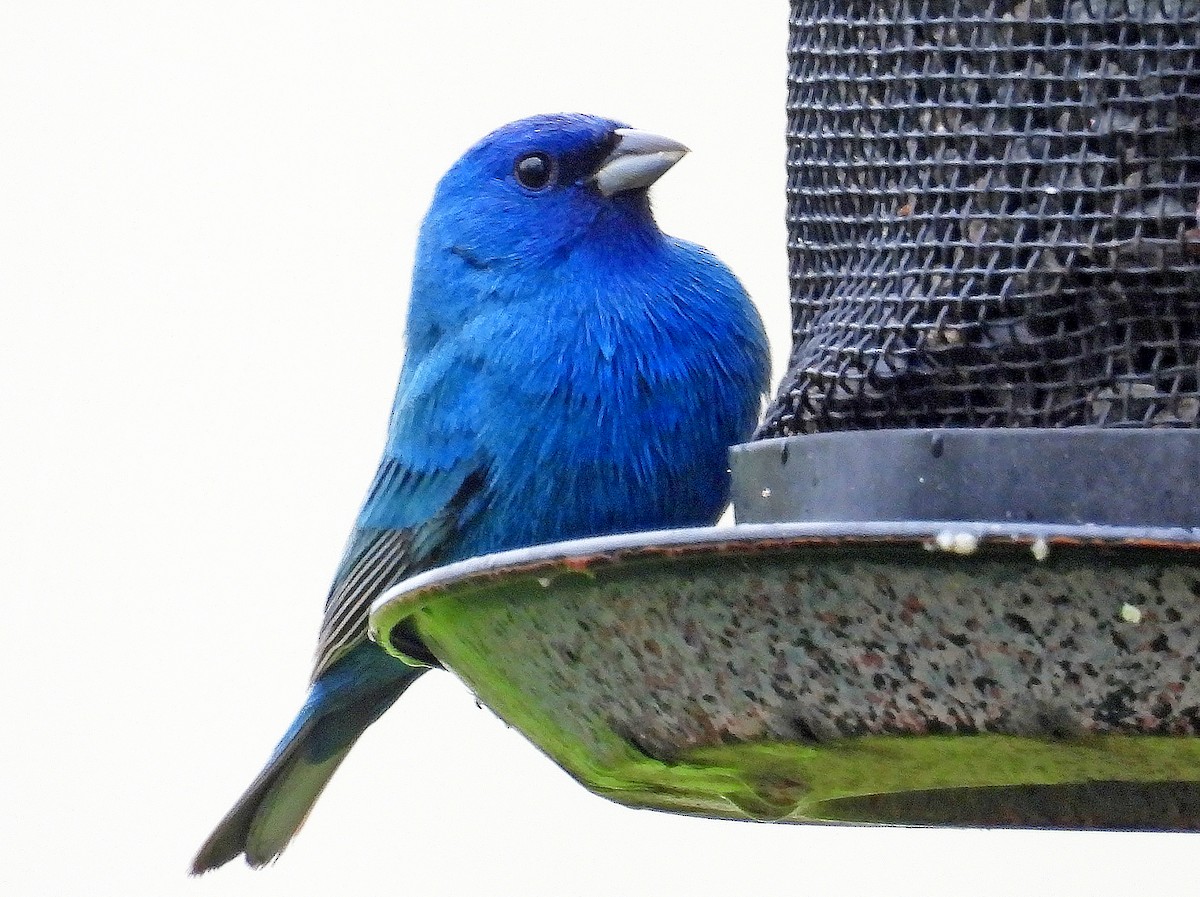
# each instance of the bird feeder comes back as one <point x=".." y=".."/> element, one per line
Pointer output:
<point x="964" y="586"/>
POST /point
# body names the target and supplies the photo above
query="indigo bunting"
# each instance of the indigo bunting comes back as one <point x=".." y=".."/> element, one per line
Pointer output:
<point x="569" y="371"/>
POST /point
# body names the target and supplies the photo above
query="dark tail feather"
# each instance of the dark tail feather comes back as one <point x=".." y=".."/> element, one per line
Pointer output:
<point x="274" y="807"/>
<point x="269" y="814"/>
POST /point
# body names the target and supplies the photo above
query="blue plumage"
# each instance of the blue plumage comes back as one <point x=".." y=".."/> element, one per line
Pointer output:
<point x="570" y="371"/>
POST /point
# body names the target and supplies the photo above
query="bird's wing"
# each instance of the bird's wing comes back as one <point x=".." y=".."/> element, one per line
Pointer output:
<point x="375" y="560"/>
<point x="428" y="489"/>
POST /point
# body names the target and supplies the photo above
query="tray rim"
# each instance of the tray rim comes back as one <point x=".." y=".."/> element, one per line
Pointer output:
<point x="963" y="539"/>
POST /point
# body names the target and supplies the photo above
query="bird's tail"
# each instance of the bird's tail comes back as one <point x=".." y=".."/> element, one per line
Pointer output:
<point x="271" y="811"/>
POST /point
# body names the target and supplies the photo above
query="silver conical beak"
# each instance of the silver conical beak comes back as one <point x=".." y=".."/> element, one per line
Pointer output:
<point x="638" y="160"/>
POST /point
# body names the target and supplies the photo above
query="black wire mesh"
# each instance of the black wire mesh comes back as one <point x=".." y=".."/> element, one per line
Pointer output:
<point x="987" y="201"/>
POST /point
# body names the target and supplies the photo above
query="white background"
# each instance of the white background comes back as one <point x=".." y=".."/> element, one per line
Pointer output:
<point x="207" y="213"/>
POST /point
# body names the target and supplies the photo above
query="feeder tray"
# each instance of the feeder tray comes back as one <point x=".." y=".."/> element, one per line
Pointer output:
<point x="918" y="673"/>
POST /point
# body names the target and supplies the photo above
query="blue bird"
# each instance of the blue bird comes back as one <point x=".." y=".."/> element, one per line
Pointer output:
<point x="569" y="371"/>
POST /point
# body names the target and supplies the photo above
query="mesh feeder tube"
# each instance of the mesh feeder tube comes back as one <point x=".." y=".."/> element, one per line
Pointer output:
<point x="987" y="204"/>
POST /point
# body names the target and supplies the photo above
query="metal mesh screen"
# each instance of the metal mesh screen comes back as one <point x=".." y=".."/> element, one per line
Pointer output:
<point x="986" y="211"/>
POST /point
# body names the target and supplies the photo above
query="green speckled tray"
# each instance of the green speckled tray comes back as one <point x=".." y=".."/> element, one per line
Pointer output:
<point x="953" y="674"/>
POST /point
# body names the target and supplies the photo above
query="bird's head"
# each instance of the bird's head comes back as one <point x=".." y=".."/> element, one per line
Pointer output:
<point x="532" y="191"/>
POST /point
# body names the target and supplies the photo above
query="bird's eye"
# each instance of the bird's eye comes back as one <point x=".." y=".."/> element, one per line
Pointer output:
<point x="534" y="171"/>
